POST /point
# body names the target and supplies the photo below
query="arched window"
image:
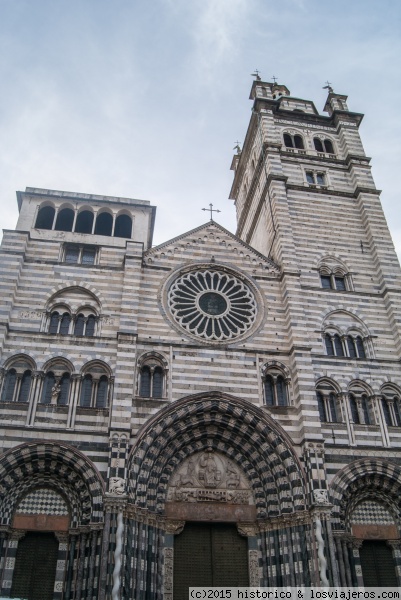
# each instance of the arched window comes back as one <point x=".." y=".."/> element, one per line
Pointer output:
<point x="85" y="326"/>
<point x="293" y="141"/>
<point x="9" y="386"/>
<point x="321" y="407"/>
<point x="104" y="224"/>
<point x="318" y="145"/>
<point x="64" y="384"/>
<point x="351" y="346"/>
<point x="386" y="412"/>
<point x="123" y="226"/>
<point x="269" y="391"/>
<point x="338" y="345"/>
<point x="281" y="391"/>
<point x="360" y="347"/>
<point x="354" y="409"/>
<point x="327" y="403"/>
<point x="145" y="382"/>
<point x="157" y="383"/>
<point x="333" y="408"/>
<point x="79" y="325"/>
<point x="275" y="389"/>
<point x="45" y="218"/>
<point x="25" y="387"/>
<point x="334" y="281"/>
<point x="298" y="142"/>
<point x="101" y="395"/>
<point x="54" y="321"/>
<point x="65" y="220"/>
<point x="84" y="222"/>
<point x="365" y="409"/>
<point x="95" y="388"/>
<point x="288" y="141"/>
<point x="152" y="379"/>
<point x="65" y="324"/>
<point x="86" y="392"/>
<point x="90" y="326"/>
<point x="325" y="146"/>
<point x="329" y="345"/>
<point x="48" y="384"/>
<point x="397" y="411"/>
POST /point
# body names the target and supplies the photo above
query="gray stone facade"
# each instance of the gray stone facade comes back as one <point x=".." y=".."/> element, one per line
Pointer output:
<point x="251" y="379"/>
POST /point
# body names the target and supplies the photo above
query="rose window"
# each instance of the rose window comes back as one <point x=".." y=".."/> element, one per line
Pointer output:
<point x="212" y="305"/>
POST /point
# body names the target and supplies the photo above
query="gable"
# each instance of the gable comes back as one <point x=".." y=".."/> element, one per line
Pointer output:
<point x="210" y="243"/>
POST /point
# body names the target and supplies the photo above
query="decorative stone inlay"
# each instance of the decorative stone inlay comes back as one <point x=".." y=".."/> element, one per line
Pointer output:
<point x="212" y="304"/>
<point x="209" y="477"/>
<point x="254" y="569"/>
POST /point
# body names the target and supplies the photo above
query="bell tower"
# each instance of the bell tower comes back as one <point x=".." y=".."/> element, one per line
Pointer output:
<point x="304" y="195"/>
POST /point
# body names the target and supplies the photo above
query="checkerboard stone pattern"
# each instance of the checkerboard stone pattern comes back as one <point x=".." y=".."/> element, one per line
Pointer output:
<point x="44" y="502"/>
<point x="371" y="513"/>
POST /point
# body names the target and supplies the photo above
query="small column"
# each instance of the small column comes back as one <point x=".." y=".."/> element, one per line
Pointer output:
<point x="322" y="562"/>
<point x="355" y="545"/>
<point x="74" y="400"/>
<point x="81" y="564"/>
<point x="104" y="554"/>
<point x="347" y="563"/>
<point x="376" y="403"/>
<point x="92" y="561"/>
<point x="251" y="531"/>
<point x="172" y="528"/>
<point x="344" y="399"/>
<point x="340" y="558"/>
<point x="9" y="562"/>
<point x="61" y="564"/>
<point x="38" y="377"/>
<point x="70" y="564"/>
<point x="395" y="546"/>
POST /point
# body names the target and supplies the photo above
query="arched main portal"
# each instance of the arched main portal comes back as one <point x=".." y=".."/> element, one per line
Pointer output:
<point x="214" y="458"/>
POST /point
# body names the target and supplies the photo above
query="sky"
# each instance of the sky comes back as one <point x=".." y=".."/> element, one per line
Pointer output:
<point x="147" y="98"/>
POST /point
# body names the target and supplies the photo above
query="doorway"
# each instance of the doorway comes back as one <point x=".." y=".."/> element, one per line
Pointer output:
<point x="209" y="554"/>
<point x="35" y="567"/>
<point x="377" y="564"/>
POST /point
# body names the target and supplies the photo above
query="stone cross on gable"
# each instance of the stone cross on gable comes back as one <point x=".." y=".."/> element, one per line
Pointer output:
<point x="212" y="210"/>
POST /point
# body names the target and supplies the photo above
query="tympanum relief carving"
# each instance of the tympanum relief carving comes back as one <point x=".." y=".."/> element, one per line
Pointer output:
<point x="209" y="476"/>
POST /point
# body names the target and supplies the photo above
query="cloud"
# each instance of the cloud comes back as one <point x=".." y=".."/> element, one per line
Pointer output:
<point x="217" y="29"/>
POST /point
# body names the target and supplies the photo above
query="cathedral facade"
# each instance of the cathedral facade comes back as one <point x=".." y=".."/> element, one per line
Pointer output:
<point x="218" y="410"/>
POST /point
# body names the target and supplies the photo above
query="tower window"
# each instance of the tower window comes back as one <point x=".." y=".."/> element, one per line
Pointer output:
<point x="123" y="227"/>
<point x="325" y="146"/>
<point x="104" y="224"/>
<point x="84" y="223"/>
<point x="334" y="281"/>
<point x="315" y="178"/>
<point x="293" y="141"/>
<point x="65" y="220"/>
<point x="45" y="217"/>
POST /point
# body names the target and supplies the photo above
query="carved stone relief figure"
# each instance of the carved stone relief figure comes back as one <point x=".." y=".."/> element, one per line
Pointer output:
<point x="209" y="476"/>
